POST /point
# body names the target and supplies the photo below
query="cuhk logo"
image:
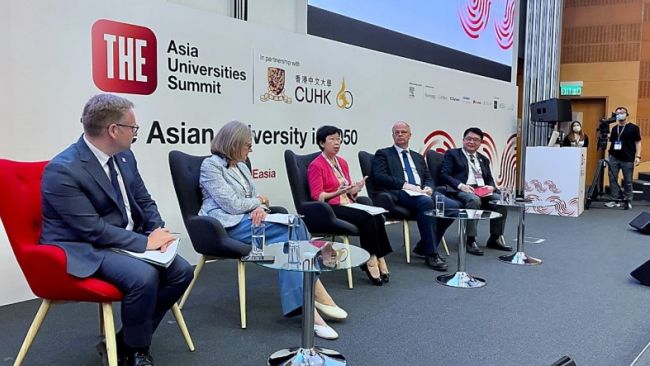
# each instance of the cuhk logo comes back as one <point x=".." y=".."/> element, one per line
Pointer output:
<point x="124" y="58"/>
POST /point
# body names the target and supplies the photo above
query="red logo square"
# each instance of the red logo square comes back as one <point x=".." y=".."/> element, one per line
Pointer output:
<point x="124" y="57"/>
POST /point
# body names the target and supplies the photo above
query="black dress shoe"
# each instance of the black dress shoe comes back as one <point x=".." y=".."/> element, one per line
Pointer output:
<point x="103" y="353"/>
<point x="418" y="251"/>
<point x="472" y="248"/>
<point x="377" y="281"/>
<point x="498" y="244"/>
<point x="436" y="263"/>
<point x="385" y="277"/>
<point x="138" y="359"/>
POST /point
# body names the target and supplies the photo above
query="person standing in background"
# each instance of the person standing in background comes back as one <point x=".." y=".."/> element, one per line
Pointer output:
<point x="576" y="136"/>
<point x="624" y="155"/>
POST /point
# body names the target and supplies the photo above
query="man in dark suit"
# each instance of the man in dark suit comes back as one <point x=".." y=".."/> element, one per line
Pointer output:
<point x="94" y="200"/>
<point x="404" y="175"/>
<point x="464" y="170"/>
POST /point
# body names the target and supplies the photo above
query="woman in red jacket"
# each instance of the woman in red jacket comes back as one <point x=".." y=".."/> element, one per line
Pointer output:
<point x="329" y="181"/>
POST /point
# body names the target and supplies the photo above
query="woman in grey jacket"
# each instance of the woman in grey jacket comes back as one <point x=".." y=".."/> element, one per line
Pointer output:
<point x="229" y="195"/>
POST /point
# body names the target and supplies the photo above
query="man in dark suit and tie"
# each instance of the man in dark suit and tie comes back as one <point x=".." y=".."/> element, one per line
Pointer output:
<point x="404" y="175"/>
<point x="464" y="170"/>
<point x="94" y="200"/>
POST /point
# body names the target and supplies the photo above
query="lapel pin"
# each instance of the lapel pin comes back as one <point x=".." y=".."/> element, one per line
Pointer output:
<point x="123" y="160"/>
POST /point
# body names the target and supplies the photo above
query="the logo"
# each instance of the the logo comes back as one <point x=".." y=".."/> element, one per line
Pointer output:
<point x="344" y="98"/>
<point x="275" y="78"/>
<point x="124" y="57"/>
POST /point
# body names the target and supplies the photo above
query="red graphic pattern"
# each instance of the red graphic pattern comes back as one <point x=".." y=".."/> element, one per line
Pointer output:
<point x="560" y="207"/>
<point x="474" y="16"/>
<point x="504" y="27"/>
<point x="508" y="168"/>
<point x="540" y="187"/>
<point x="438" y="141"/>
<point x="489" y="148"/>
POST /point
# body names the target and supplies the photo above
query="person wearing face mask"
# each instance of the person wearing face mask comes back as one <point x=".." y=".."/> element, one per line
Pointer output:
<point x="624" y="154"/>
<point x="577" y="137"/>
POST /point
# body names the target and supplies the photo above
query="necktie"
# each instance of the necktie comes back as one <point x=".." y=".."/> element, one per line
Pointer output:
<point x="471" y="159"/>
<point x="118" y="192"/>
<point x="407" y="167"/>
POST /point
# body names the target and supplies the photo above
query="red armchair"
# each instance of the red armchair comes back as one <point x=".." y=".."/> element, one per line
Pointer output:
<point x="44" y="266"/>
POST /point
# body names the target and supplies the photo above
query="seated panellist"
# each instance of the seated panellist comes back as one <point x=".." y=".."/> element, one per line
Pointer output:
<point x="94" y="201"/>
<point x="329" y="181"/>
<point x="230" y="196"/>
<point x="467" y="174"/>
<point x="403" y="173"/>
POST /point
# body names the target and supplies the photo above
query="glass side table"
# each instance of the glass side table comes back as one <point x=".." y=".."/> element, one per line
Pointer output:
<point x="311" y="258"/>
<point x="519" y="256"/>
<point x="460" y="278"/>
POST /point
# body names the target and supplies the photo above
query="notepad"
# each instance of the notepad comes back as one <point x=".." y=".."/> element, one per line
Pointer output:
<point x="414" y="193"/>
<point x="373" y="210"/>
<point x="155" y="257"/>
<point x="482" y="191"/>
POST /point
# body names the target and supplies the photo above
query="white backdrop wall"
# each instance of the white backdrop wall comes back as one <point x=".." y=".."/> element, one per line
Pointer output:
<point x="47" y="76"/>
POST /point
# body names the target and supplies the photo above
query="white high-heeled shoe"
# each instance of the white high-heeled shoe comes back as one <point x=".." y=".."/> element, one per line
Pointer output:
<point x="325" y="332"/>
<point x="331" y="311"/>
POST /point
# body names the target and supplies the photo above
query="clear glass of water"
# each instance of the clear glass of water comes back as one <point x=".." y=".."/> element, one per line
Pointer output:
<point x="293" y="255"/>
<point x="258" y="238"/>
<point x="511" y="195"/>
<point x="440" y="206"/>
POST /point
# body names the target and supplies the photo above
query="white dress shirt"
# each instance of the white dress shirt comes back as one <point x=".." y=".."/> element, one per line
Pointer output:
<point x="471" y="176"/>
<point x="418" y="181"/>
<point x="103" y="161"/>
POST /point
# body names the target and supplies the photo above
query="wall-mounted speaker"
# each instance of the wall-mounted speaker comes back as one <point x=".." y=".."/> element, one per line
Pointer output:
<point x="551" y="110"/>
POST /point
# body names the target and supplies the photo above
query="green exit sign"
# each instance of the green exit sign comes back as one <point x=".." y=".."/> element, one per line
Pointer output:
<point x="571" y="88"/>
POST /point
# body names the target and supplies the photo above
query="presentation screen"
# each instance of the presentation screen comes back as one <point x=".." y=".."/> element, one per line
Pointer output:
<point x="469" y="35"/>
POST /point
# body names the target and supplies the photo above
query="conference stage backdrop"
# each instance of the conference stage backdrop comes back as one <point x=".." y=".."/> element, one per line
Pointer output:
<point x="189" y="71"/>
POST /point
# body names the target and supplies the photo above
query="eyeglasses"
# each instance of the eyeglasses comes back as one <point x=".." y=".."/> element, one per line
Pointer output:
<point x="134" y="128"/>
<point x="248" y="145"/>
<point x="472" y="139"/>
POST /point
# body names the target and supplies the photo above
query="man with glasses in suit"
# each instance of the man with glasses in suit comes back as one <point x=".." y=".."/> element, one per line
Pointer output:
<point x="465" y="170"/>
<point x="94" y="201"/>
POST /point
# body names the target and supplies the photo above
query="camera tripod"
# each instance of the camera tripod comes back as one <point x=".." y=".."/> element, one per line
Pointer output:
<point x="597" y="188"/>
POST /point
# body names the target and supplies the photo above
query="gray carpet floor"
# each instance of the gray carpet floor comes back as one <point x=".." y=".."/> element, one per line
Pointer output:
<point x="580" y="302"/>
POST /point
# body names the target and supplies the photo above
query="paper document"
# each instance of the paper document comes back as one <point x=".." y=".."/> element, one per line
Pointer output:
<point x="373" y="210"/>
<point x="413" y="193"/>
<point x="277" y="218"/>
<point x="155" y="256"/>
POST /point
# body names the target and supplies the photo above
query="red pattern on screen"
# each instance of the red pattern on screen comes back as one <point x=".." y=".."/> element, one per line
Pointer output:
<point x="474" y="16"/>
<point x="504" y="27"/>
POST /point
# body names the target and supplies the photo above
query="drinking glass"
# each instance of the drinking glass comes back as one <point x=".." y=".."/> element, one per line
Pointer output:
<point x="440" y="206"/>
<point x="258" y="239"/>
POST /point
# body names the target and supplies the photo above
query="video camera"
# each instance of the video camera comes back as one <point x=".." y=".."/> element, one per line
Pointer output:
<point x="603" y="131"/>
